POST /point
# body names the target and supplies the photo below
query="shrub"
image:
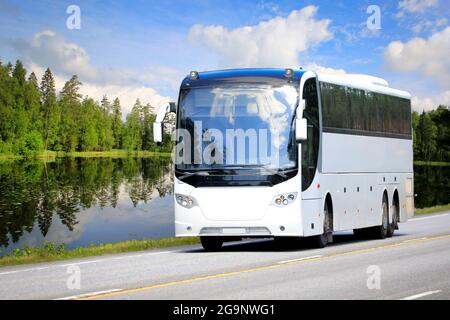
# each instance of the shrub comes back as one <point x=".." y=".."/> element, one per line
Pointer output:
<point x="30" y="145"/>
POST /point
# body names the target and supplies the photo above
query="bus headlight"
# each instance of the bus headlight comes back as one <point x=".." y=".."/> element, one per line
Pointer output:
<point x="185" y="201"/>
<point x="285" y="199"/>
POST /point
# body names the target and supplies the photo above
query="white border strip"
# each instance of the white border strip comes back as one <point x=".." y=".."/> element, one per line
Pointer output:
<point x="421" y="295"/>
<point x="299" y="259"/>
<point x="426" y="218"/>
<point x="84" y="295"/>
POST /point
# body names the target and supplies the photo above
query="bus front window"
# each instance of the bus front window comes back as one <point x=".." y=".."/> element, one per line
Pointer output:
<point x="239" y="127"/>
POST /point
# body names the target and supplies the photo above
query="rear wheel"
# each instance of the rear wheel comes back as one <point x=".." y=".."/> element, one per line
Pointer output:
<point x="381" y="231"/>
<point x="394" y="225"/>
<point x="211" y="243"/>
<point x="326" y="237"/>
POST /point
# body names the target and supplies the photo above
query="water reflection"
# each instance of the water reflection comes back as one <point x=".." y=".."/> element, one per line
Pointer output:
<point x="84" y="201"/>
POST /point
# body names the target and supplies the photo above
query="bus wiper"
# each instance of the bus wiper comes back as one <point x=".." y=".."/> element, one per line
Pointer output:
<point x="279" y="172"/>
<point x="194" y="173"/>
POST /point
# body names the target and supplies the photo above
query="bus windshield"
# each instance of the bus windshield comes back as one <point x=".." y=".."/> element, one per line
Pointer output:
<point x="239" y="127"/>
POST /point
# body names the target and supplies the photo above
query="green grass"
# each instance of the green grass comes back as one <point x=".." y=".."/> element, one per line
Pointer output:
<point x="51" y="155"/>
<point x="432" y="163"/>
<point x="112" y="154"/>
<point x="51" y="252"/>
<point x="432" y="209"/>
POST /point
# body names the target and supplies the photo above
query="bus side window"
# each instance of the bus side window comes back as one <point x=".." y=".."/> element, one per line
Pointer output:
<point x="310" y="147"/>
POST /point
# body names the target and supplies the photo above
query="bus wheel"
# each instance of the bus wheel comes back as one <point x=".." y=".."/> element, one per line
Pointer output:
<point x="394" y="225"/>
<point x="326" y="237"/>
<point x="211" y="243"/>
<point x="381" y="232"/>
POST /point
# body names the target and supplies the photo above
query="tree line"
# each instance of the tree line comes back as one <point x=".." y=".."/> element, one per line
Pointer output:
<point x="34" y="117"/>
<point x="432" y="135"/>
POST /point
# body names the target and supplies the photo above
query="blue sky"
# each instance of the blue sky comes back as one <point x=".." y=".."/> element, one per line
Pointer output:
<point x="142" y="49"/>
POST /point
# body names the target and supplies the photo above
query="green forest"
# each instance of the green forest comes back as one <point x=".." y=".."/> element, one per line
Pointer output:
<point x="34" y="117"/>
<point x="431" y="134"/>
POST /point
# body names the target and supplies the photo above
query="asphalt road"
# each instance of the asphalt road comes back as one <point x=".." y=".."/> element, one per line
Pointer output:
<point x="414" y="264"/>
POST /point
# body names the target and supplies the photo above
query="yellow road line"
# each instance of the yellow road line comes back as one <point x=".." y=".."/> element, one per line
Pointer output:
<point x="267" y="267"/>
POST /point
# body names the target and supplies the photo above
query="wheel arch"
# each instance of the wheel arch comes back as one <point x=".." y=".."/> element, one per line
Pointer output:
<point x="396" y="201"/>
<point x="329" y="202"/>
<point x="385" y="194"/>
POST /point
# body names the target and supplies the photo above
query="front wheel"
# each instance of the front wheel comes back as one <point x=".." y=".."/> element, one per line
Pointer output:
<point x="326" y="237"/>
<point x="211" y="243"/>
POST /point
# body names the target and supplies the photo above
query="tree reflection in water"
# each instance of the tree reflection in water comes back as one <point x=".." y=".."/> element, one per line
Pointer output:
<point x="34" y="192"/>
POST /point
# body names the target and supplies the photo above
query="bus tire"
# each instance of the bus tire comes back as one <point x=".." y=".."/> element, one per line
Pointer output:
<point x="395" y="213"/>
<point x="320" y="241"/>
<point x="211" y="243"/>
<point x="381" y="231"/>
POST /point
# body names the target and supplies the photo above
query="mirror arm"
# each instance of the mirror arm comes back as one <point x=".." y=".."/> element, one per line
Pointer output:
<point x="163" y="109"/>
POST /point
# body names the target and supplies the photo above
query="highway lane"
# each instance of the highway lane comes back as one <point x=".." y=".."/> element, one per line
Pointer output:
<point x="414" y="264"/>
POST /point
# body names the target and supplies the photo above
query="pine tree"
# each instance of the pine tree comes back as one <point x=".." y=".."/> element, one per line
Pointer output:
<point x="33" y="106"/>
<point x="70" y="104"/>
<point x="19" y="73"/>
<point x="89" y="140"/>
<point x="147" y="127"/>
<point x="132" y="139"/>
<point x="117" y="126"/>
<point x="105" y="105"/>
<point x="49" y="107"/>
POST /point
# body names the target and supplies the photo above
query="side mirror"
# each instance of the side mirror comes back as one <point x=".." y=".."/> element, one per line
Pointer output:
<point x="301" y="130"/>
<point x="160" y="115"/>
<point x="157" y="132"/>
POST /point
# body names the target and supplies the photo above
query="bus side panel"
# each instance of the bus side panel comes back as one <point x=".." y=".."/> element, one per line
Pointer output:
<point x="357" y="198"/>
<point x="346" y="153"/>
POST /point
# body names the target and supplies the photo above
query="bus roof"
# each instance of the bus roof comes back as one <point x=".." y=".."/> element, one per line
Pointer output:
<point x="277" y="75"/>
<point x="363" y="82"/>
<point x="231" y="76"/>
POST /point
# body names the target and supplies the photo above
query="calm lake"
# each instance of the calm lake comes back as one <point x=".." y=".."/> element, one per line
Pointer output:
<point x="103" y="200"/>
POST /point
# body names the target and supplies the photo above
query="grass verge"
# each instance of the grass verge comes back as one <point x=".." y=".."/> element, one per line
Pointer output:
<point x="51" y="155"/>
<point x="113" y="154"/>
<point x="432" y="163"/>
<point x="434" y="209"/>
<point x="51" y="252"/>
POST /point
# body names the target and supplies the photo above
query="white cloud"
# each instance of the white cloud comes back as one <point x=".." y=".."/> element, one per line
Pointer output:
<point x="321" y="69"/>
<point x="273" y="43"/>
<point x="415" y="6"/>
<point x="50" y="49"/>
<point x="432" y="25"/>
<point x="429" y="56"/>
<point x="430" y="103"/>
<point x="127" y="94"/>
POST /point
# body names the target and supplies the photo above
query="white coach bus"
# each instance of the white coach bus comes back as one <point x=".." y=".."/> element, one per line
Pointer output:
<point x="305" y="155"/>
